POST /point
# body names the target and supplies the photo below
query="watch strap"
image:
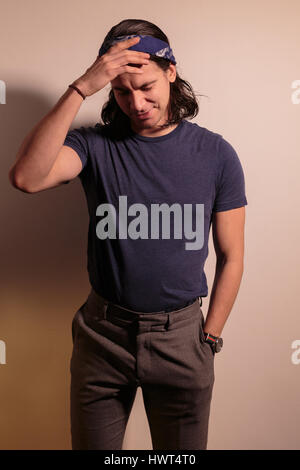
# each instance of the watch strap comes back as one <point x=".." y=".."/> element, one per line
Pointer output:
<point x="210" y="336"/>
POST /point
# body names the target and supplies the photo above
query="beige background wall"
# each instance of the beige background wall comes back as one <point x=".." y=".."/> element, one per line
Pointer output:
<point x="245" y="57"/>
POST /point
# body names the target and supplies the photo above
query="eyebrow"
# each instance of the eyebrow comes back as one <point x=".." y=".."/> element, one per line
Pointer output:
<point x="124" y="88"/>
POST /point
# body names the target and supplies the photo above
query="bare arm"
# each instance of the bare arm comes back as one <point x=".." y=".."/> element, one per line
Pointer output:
<point x="41" y="146"/>
<point x="42" y="160"/>
<point x="228" y="236"/>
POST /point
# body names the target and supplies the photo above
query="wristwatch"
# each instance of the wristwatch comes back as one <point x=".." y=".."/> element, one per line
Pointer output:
<point x="215" y="342"/>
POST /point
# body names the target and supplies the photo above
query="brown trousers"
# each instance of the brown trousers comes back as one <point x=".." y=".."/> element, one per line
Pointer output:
<point x="115" y="350"/>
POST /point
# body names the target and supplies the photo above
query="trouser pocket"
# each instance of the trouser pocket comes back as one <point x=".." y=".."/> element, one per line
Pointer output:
<point x="201" y="326"/>
<point x="201" y="335"/>
<point x="74" y="325"/>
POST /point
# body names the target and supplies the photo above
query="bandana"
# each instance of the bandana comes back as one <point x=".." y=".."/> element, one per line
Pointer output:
<point x="148" y="44"/>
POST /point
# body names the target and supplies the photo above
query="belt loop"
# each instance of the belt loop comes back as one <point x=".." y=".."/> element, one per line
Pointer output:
<point x="201" y="301"/>
<point x="167" y="322"/>
<point x="105" y="307"/>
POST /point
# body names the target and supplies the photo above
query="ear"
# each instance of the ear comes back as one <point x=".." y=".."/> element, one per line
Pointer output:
<point x="171" y="73"/>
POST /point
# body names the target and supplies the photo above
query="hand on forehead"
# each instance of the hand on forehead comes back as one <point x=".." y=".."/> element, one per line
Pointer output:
<point x="150" y="44"/>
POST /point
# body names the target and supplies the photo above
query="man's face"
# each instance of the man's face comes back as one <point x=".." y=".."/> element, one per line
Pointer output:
<point x="144" y="97"/>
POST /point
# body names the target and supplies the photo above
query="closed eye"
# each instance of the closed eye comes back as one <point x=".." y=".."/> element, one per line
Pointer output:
<point x="125" y="92"/>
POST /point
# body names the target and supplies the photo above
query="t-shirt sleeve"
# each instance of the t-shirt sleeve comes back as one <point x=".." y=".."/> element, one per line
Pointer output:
<point x="230" y="191"/>
<point x="77" y="140"/>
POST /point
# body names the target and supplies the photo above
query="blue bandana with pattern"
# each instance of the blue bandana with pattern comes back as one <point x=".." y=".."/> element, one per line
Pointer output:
<point x="150" y="44"/>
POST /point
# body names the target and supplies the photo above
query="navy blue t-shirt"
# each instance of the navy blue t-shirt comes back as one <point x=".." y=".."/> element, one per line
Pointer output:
<point x="150" y="203"/>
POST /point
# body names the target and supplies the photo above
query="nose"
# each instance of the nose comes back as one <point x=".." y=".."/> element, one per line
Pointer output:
<point x="137" y="103"/>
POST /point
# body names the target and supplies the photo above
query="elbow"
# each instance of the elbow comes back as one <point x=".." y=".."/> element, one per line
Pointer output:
<point x="235" y="258"/>
<point x="12" y="178"/>
<point x="17" y="182"/>
<point x="221" y="259"/>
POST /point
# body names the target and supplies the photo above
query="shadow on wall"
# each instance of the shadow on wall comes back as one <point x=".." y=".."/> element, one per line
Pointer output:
<point x="43" y="281"/>
<point x="45" y="234"/>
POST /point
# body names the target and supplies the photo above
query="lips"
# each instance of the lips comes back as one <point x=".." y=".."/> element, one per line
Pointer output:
<point x="144" y="115"/>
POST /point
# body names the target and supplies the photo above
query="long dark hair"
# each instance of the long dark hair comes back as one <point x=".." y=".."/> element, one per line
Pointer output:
<point x="183" y="102"/>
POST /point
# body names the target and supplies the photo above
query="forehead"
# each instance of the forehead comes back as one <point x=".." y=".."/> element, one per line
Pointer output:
<point x="151" y="73"/>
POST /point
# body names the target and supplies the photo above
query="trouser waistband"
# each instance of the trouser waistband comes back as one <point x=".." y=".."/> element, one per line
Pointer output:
<point x="109" y="309"/>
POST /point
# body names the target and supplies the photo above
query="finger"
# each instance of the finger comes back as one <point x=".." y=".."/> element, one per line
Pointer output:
<point x="130" y="56"/>
<point x="132" y="60"/>
<point x="136" y="53"/>
<point x="129" y="69"/>
<point x="125" y="43"/>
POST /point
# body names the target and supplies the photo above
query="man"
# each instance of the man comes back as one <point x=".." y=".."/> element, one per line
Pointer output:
<point x="154" y="184"/>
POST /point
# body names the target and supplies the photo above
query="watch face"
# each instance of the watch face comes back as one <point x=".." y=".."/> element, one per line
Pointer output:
<point x="219" y="345"/>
